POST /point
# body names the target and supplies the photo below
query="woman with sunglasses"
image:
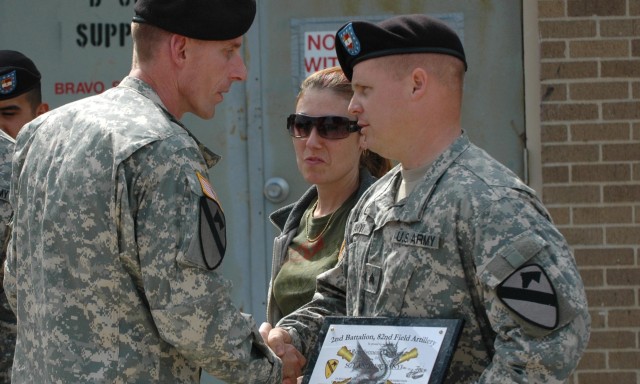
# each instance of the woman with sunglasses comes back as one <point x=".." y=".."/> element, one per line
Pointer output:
<point x="331" y="155"/>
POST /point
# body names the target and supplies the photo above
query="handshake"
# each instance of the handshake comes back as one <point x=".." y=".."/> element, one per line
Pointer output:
<point x="279" y="341"/>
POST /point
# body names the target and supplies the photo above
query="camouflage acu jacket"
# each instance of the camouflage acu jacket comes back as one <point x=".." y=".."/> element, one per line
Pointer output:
<point x="404" y="259"/>
<point x="7" y="318"/>
<point x="105" y="267"/>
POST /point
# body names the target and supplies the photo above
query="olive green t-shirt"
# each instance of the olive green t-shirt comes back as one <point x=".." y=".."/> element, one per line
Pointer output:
<point x="295" y="283"/>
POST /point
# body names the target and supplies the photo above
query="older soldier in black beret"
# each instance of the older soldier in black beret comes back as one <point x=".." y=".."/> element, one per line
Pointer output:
<point x="20" y="92"/>
<point x="117" y="230"/>
<point x="448" y="233"/>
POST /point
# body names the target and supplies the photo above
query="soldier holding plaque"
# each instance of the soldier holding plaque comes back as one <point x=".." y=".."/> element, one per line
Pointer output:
<point x="450" y="233"/>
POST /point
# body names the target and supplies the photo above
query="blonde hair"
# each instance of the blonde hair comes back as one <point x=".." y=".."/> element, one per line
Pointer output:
<point x="331" y="78"/>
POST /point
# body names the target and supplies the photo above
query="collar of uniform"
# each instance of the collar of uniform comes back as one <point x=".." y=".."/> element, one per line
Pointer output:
<point x="4" y="136"/>
<point x="418" y="200"/>
<point x="411" y="208"/>
<point x="210" y="157"/>
<point x="142" y="88"/>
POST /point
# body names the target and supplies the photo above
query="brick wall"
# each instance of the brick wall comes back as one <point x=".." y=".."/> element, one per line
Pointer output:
<point x="590" y="134"/>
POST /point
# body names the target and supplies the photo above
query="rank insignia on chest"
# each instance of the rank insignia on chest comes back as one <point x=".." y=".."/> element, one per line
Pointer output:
<point x="213" y="229"/>
<point x="373" y="275"/>
<point x="529" y="293"/>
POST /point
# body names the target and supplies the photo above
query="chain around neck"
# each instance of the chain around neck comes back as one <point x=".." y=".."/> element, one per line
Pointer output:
<point x="309" y="216"/>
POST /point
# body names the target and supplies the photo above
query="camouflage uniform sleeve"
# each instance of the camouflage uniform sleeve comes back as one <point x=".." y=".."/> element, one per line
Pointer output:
<point x="6" y="152"/>
<point x="9" y="278"/>
<point x="539" y="345"/>
<point x="7" y="317"/>
<point x="8" y="321"/>
<point x="189" y="303"/>
<point x="7" y="329"/>
<point x="329" y="300"/>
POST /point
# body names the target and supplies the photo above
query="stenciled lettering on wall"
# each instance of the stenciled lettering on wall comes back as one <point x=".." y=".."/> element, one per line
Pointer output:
<point x="103" y="34"/>
<point x="82" y="87"/>
<point x="124" y="3"/>
<point x="96" y="41"/>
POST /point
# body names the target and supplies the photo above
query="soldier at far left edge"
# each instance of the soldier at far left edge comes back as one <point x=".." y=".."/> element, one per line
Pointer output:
<point x="20" y="102"/>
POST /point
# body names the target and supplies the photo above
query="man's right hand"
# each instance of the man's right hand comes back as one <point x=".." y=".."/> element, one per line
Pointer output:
<point x="279" y="341"/>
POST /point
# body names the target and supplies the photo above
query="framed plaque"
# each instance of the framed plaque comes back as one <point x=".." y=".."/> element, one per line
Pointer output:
<point x="383" y="350"/>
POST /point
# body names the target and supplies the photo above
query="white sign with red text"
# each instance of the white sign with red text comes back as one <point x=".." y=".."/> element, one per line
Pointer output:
<point x="319" y="51"/>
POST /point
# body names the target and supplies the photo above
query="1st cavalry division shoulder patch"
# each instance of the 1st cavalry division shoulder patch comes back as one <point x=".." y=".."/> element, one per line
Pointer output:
<point x="213" y="232"/>
<point x="529" y="293"/>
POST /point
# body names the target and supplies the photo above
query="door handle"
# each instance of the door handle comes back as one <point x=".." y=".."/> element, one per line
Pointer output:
<point x="276" y="189"/>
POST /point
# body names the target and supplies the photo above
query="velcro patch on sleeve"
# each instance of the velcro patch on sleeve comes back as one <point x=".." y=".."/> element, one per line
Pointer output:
<point x="509" y="257"/>
<point x="529" y="293"/>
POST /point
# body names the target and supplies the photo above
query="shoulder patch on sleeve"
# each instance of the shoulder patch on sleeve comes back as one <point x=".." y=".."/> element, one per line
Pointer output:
<point x="529" y="293"/>
<point x="213" y="233"/>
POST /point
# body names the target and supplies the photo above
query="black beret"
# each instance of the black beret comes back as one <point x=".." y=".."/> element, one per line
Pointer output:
<point x="363" y="40"/>
<point x="198" y="19"/>
<point x="18" y="74"/>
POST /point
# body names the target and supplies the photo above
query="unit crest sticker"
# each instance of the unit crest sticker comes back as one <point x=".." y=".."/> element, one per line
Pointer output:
<point x="8" y="83"/>
<point x="349" y="39"/>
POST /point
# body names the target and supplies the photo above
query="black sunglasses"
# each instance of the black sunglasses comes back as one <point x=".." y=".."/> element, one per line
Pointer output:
<point x="329" y="127"/>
